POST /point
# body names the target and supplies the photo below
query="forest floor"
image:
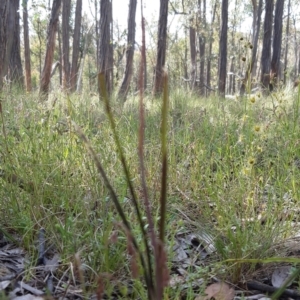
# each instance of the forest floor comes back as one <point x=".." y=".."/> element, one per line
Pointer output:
<point x="233" y="196"/>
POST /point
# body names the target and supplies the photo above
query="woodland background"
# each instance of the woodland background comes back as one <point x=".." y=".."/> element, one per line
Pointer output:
<point x="205" y="46"/>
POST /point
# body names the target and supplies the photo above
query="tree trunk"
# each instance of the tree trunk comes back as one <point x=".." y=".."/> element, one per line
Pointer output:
<point x="266" y="50"/>
<point x="202" y="42"/>
<point x="287" y="33"/>
<point x="129" y="52"/>
<point x="66" y="11"/>
<point x="193" y="54"/>
<point x="208" y="67"/>
<point x="4" y="6"/>
<point x="257" y="10"/>
<point x="223" y="49"/>
<point x="277" y="38"/>
<point x="15" y="63"/>
<point x="52" y="28"/>
<point x="111" y="47"/>
<point x="104" y="61"/>
<point x="97" y="30"/>
<point x="76" y="46"/>
<point x="26" y="47"/>
<point x="59" y="52"/>
<point x="161" y="48"/>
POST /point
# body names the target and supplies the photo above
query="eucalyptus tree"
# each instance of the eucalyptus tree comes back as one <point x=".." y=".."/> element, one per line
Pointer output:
<point x="10" y="56"/>
<point x="277" y="39"/>
<point x="202" y="43"/>
<point x="76" y="46"/>
<point x="193" y="52"/>
<point x="125" y="85"/>
<point x="51" y="38"/>
<point x="223" y="49"/>
<point x="161" y="47"/>
<point x="105" y="61"/>
<point x="4" y="6"/>
<point x="266" y="50"/>
<point x="210" y="45"/>
<point x="287" y="33"/>
<point x="65" y="29"/>
<point x="26" y="47"/>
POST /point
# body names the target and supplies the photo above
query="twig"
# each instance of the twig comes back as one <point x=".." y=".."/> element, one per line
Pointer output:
<point x="254" y="285"/>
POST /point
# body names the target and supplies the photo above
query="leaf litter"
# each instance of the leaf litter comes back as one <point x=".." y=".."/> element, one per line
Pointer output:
<point x="190" y="250"/>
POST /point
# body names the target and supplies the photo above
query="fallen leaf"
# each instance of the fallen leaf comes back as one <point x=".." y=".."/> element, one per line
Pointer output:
<point x="280" y="275"/>
<point x="218" y="291"/>
<point x="4" y="284"/>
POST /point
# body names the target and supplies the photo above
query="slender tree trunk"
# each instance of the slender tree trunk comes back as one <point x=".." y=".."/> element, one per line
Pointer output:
<point x="161" y="48"/>
<point x="202" y="43"/>
<point x="15" y="63"/>
<point x="76" y="46"/>
<point x="97" y="30"/>
<point x="4" y="6"/>
<point x="257" y="10"/>
<point x="10" y="29"/>
<point x="223" y="49"/>
<point x="129" y="51"/>
<point x="296" y="68"/>
<point x="104" y="57"/>
<point x="26" y="47"/>
<point x="40" y="45"/>
<point x="193" y="54"/>
<point x="111" y="48"/>
<point x="208" y="67"/>
<point x="52" y="28"/>
<point x="66" y="11"/>
<point x="266" y="50"/>
<point x="287" y="33"/>
<point x="59" y="52"/>
<point x="277" y="39"/>
<point x="254" y="56"/>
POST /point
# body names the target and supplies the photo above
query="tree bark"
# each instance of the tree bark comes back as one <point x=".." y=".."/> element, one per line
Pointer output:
<point x="277" y="38"/>
<point x="52" y="28"/>
<point x="4" y="6"/>
<point x="223" y="49"/>
<point x="266" y="50"/>
<point x="15" y="63"/>
<point x="76" y="46"/>
<point x="161" y="48"/>
<point x="104" y="62"/>
<point x="66" y="11"/>
<point x="26" y="47"/>
<point x="129" y="52"/>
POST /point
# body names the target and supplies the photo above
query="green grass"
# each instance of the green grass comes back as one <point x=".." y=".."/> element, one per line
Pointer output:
<point x="232" y="169"/>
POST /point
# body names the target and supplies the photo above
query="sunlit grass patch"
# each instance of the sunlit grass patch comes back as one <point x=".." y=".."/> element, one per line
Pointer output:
<point x="233" y="168"/>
